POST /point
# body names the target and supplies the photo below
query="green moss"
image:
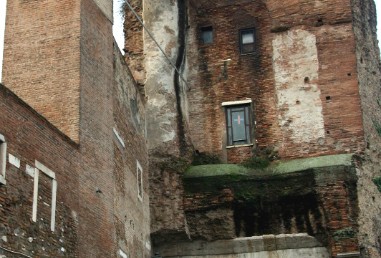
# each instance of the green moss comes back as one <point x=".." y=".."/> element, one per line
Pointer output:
<point x="377" y="182"/>
<point x="377" y="126"/>
<point x="344" y="233"/>
<point x="316" y="162"/>
<point x="215" y="170"/>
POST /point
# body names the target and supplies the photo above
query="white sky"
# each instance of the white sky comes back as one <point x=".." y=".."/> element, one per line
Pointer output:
<point x="118" y="26"/>
<point x="117" y="29"/>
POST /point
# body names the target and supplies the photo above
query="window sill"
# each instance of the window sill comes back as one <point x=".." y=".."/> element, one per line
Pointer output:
<point x="237" y="146"/>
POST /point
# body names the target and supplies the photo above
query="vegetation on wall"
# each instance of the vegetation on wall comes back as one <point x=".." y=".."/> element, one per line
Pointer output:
<point x="202" y="158"/>
<point x="377" y="182"/>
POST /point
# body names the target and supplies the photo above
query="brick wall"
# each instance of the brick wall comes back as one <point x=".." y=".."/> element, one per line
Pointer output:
<point x="98" y="210"/>
<point x="134" y="46"/>
<point x="40" y="47"/>
<point x="298" y="113"/>
<point x="30" y="137"/>
<point x="321" y="202"/>
<point x="131" y="213"/>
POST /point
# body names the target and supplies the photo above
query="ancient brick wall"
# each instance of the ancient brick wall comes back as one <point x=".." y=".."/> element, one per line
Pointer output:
<point x="29" y="138"/>
<point x="321" y="202"/>
<point x="300" y="76"/>
<point x="99" y="212"/>
<point x="134" y="46"/>
<point x="132" y="214"/>
<point x="40" y="48"/>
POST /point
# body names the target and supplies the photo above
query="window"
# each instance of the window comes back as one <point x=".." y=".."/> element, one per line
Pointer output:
<point x="207" y="35"/>
<point x="247" y="40"/>
<point x="3" y="159"/>
<point x="52" y="176"/>
<point x="139" y="179"/>
<point x="238" y="125"/>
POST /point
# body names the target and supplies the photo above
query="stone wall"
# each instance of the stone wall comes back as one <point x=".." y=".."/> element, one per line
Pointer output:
<point x="369" y="76"/>
<point x="291" y="245"/>
<point x="168" y="143"/>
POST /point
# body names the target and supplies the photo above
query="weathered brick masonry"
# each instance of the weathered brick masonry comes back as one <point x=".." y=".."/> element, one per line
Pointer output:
<point x="300" y="77"/>
<point x="30" y="137"/>
<point x="45" y="39"/>
<point x="99" y="210"/>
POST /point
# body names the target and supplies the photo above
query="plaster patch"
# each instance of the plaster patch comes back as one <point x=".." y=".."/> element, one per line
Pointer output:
<point x="299" y="103"/>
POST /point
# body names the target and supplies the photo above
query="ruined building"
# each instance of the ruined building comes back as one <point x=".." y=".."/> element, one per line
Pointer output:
<point x="246" y="128"/>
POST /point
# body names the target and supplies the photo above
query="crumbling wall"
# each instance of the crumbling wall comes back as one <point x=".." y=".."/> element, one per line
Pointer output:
<point x="369" y="77"/>
<point x="319" y="201"/>
<point x="168" y="144"/>
<point x="133" y="43"/>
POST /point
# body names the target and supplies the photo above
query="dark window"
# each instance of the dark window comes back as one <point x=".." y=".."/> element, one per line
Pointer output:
<point x="238" y="124"/>
<point x="247" y="40"/>
<point x="207" y="35"/>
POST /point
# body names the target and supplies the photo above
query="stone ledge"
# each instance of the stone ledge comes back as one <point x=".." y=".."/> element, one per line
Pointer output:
<point x="241" y="245"/>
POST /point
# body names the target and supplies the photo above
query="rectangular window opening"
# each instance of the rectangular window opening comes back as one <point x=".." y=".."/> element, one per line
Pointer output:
<point x="238" y="125"/>
<point x="247" y="40"/>
<point x="48" y="175"/>
<point x="207" y="35"/>
<point x="3" y="159"/>
<point x="139" y="179"/>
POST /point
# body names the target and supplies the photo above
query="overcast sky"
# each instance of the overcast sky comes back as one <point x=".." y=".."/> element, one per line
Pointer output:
<point x="118" y="26"/>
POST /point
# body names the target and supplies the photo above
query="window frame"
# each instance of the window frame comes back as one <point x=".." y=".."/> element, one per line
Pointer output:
<point x="246" y="106"/>
<point x="39" y="167"/>
<point x="204" y="29"/>
<point x="3" y="159"/>
<point x="242" y="45"/>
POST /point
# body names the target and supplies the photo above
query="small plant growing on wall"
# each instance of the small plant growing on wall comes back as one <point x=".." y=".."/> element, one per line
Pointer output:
<point x="261" y="158"/>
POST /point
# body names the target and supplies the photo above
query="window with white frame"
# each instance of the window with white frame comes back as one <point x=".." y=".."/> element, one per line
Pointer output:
<point x="139" y="180"/>
<point x="49" y="173"/>
<point x="3" y="159"/>
<point x="238" y="122"/>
